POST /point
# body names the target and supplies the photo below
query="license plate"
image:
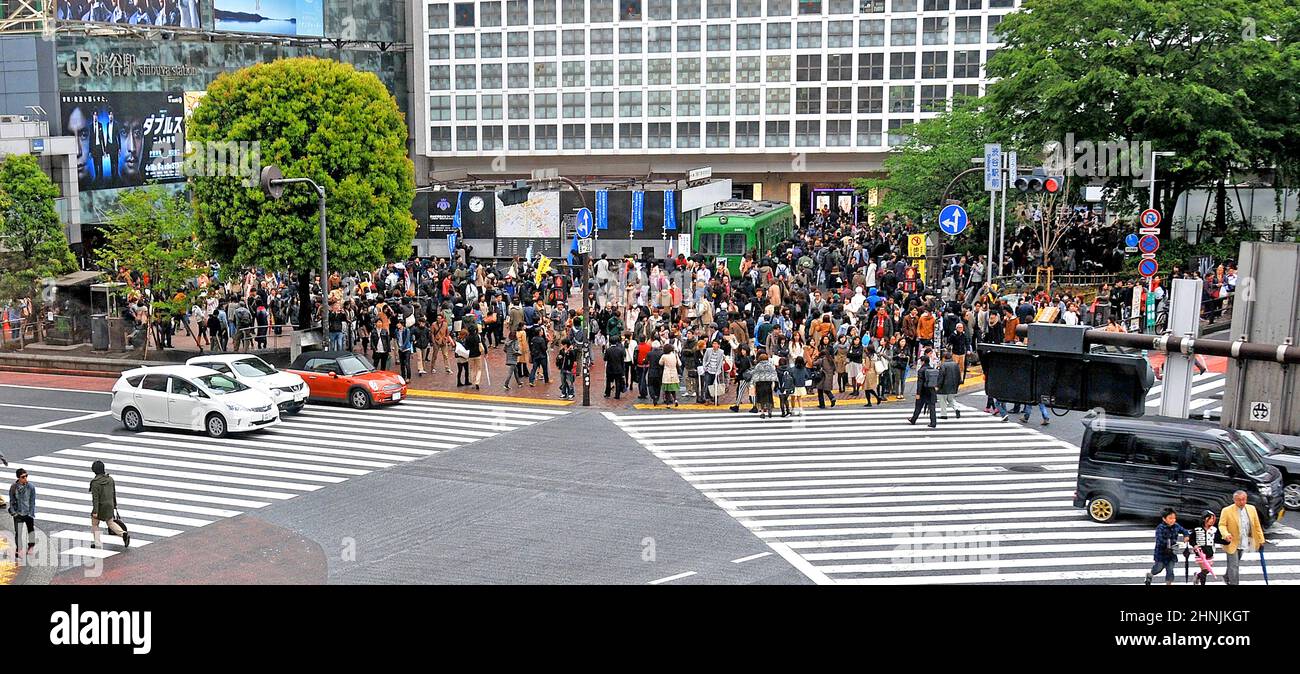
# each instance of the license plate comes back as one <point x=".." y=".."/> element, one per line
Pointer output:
<point x="397" y="395"/>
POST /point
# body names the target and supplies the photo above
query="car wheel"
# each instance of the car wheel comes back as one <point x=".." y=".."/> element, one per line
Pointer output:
<point x="1102" y="508"/>
<point x="359" y="399"/>
<point x="216" y="426"/>
<point x="1291" y="495"/>
<point x="131" y="420"/>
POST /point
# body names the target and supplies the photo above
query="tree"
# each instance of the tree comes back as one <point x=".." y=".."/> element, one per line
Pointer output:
<point x="1207" y="80"/>
<point x="318" y="119"/>
<point x="33" y="244"/>
<point x="151" y="231"/>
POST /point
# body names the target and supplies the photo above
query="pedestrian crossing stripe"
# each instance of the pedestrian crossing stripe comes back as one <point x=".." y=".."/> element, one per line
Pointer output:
<point x="172" y="482"/>
<point x="1206" y="396"/>
<point x="858" y="496"/>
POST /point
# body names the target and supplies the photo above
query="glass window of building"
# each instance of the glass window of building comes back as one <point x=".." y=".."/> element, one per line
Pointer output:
<point x="749" y="37"/>
<point x="659" y="103"/>
<point x="660" y="71"/>
<point x="439" y="108"/>
<point x="517" y="44"/>
<point x="719" y="70"/>
<point x="871" y="67"/>
<point x="936" y="5"/>
<point x="749" y="8"/>
<point x="440" y="139"/>
<point x="659" y="10"/>
<point x="688" y="134"/>
<point x="489" y="15"/>
<point x="934" y="97"/>
<point x="629" y="136"/>
<point x="688" y="38"/>
<point x="467" y="138"/>
<point x="841" y="6"/>
<point x="934" y="65"/>
<point x="575" y="74"/>
<point x="492" y="106"/>
<point x="659" y="40"/>
<point x="467" y="107"/>
<point x="575" y="11"/>
<point x="778" y="134"/>
<point x="465" y="46"/>
<point x="778" y="101"/>
<point x="839" y="34"/>
<point x="629" y="104"/>
<point x="902" y="65"/>
<point x="519" y="136"/>
<point x="544" y="136"/>
<point x="628" y="10"/>
<point x="688" y="103"/>
<point x="869" y="133"/>
<point x="602" y="40"/>
<point x="439" y="78"/>
<point x="543" y="12"/>
<point x="574" y="42"/>
<point x="439" y="47"/>
<point x="464" y="15"/>
<point x="660" y="134"/>
<point x="518" y="105"/>
<point x="871" y="100"/>
<point x="544" y="106"/>
<point x="839" y="100"/>
<point x="808" y="67"/>
<point x="629" y="40"/>
<point x="747" y="102"/>
<point x="629" y="72"/>
<point x="688" y="9"/>
<point x="490" y="45"/>
<point x="491" y="76"/>
<point x="810" y="6"/>
<point x="575" y="136"/>
<point x="966" y="5"/>
<point x="602" y="73"/>
<point x="808" y="133"/>
<point x="719" y="37"/>
<point x="871" y="6"/>
<point x="602" y="104"/>
<point x="439" y="15"/>
<point x="602" y="136"/>
<point x="719" y="9"/>
<point x="839" y="133"/>
<point x="746" y="134"/>
<point x="967" y="30"/>
<point x="896" y="132"/>
<point x="810" y="35"/>
<point x="871" y="33"/>
<point x="544" y="75"/>
<point x="902" y="98"/>
<point x="808" y="101"/>
<point x="778" y="36"/>
<point x="544" y="43"/>
<point x="992" y="30"/>
<point x="902" y="32"/>
<point x="717" y="134"/>
<point x="999" y="4"/>
<point x="517" y="75"/>
<point x="839" y="67"/>
<point x="688" y="71"/>
<point x="717" y="102"/>
<point x="517" y="15"/>
<point x="778" y="7"/>
<point x="960" y="91"/>
<point x="903" y="5"/>
<point x="493" y="137"/>
<point x="966" y="64"/>
<point x="778" y="69"/>
<point x="935" y="30"/>
<point x="748" y="69"/>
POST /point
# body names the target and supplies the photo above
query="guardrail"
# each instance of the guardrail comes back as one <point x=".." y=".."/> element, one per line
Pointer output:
<point x="16" y="336"/>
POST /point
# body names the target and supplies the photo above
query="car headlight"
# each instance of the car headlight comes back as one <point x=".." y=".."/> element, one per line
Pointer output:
<point x="235" y="407"/>
<point x="374" y="386"/>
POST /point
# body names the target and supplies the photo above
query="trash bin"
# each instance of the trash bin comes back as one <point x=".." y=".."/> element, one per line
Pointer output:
<point x="99" y="332"/>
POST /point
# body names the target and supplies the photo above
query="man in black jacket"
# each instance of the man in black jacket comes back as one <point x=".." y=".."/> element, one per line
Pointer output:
<point x="928" y="379"/>
<point x="614" y="369"/>
<point x="950" y="376"/>
<point x="959" y="344"/>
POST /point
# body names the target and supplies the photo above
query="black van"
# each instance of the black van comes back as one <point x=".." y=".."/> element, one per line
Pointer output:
<point x="1140" y="466"/>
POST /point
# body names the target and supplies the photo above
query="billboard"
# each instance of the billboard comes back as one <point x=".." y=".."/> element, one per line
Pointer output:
<point x="537" y="218"/>
<point x="177" y="13"/>
<point x="275" y="17"/>
<point x="125" y="139"/>
<point x="477" y="214"/>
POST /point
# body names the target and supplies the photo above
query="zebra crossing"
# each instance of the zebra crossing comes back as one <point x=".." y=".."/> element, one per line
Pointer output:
<point x="1207" y="396"/>
<point x="858" y="496"/>
<point x="172" y="482"/>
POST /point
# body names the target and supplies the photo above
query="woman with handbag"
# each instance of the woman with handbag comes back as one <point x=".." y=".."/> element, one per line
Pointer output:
<point x="381" y="342"/>
<point x="873" y="366"/>
<point x="103" y="506"/>
<point x="824" y="377"/>
<point x="462" y="358"/>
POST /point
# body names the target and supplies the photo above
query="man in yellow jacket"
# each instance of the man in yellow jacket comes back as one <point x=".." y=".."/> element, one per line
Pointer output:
<point x="1239" y="525"/>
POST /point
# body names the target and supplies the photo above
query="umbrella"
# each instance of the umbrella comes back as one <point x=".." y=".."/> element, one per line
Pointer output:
<point x="1262" y="565"/>
<point x="1204" y="561"/>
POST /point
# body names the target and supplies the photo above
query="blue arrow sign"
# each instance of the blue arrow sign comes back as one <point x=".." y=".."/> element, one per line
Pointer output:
<point x="953" y="219"/>
<point x="1131" y="240"/>
<point x="585" y="223"/>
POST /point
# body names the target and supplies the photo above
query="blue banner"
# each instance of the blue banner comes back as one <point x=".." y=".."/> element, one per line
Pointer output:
<point x="638" y="210"/>
<point x="451" y="245"/>
<point x="573" y="247"/>
<point x="602" y="209"/>
<point x="455" y="219"/>
<point x="670" y="211"/>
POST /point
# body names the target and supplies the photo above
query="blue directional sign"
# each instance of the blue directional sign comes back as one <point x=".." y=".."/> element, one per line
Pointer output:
<point x="1131" y="240"/>
<point x="585" y="223"/>
<point x="953" y="219"/>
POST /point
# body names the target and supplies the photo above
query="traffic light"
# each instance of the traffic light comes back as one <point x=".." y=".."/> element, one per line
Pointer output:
<point x="1053" y="184"/>
<point x="1030" y="183"/>
<point x="1039" y="181"/>
<point x="517" y="194"/>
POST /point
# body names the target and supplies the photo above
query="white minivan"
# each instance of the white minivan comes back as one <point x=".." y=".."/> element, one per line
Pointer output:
<point x="189" y="397"/>
<point x="288" y="390"/>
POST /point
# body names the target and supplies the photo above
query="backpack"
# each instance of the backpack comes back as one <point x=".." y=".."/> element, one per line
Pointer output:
<point x="932" y="377"/>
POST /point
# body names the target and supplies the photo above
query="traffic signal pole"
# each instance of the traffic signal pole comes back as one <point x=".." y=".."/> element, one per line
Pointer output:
<point x="1002" y="230"/>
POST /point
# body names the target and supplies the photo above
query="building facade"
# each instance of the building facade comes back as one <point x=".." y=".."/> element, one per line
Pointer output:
<point x="791" y="99"/>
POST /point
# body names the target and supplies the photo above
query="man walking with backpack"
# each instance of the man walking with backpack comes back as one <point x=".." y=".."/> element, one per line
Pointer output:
<point x="928" y="379"/>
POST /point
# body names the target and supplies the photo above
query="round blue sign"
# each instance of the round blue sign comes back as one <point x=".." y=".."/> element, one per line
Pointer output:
<point x="1149" y="244"/>
<point x="953" y="220"/>
<point x="585" y="223"/>
<point x="1131" y="240"/>
<point x="1148" y="267"/>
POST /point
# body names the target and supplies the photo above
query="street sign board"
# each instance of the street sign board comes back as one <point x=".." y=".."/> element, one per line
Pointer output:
<point x="992" y="167"/>
<point x="916" y="245"/>
<point x="953" y="219"/>
<point x="1150" y="218"/>
<point x="585" y="223"/>
<point x="1013" y="165"/>
<point x="1131" y="240"/>
<point x="584" y="245"/>
<point x="1261" y="411"/>
<point x="1129" y="250"/>
<point x="1148" y="267"/>
<point x="1149" y="244"/>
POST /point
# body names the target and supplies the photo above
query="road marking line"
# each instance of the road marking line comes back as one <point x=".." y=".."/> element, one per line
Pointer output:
<point x="671" y="578"/>
<point x="486" y="398"/>
<point x="742" y="560"/>
<point x="48" y="424"/>
<point x="47" y="388"/>
<point x="37" y="407"/>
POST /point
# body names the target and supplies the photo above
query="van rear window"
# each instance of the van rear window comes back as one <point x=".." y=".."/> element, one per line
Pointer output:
<point x="1109" y="447"/>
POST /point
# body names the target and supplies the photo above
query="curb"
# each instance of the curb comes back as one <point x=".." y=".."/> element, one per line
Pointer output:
<point x="482" y="397"/>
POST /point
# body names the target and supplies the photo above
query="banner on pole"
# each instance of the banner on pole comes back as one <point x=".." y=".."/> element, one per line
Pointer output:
<point x="602" y="209"/>
<point x="670" y="211"/>
<point x="638" y="210"/>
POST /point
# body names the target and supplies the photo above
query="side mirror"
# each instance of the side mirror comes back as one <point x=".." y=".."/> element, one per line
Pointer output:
<point x="194" y="395"/>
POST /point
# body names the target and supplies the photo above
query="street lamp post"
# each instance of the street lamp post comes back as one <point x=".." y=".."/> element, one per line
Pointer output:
<point x="273" y="184"/>
<point x="1152" y="199"/>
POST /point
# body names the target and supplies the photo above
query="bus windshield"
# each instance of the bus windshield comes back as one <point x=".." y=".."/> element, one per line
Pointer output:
<point x="709" y="244"/>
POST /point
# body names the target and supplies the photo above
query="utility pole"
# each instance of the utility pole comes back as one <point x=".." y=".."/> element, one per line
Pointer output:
<point x="273" y="184"/>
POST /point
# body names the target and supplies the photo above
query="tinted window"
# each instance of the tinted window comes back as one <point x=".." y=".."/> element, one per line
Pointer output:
<point x="182" y="387"/>
<point x="155" y="382"/>
<point x="134" y="382"/>
<point x="322" y="365"/>
<point x="1108" y="447"/>
<point x="1161" y="452"/>
<point x="1207" y="456"/>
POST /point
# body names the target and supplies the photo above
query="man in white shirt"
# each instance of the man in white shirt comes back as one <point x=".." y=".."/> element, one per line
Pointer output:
<point x="1240" y="527"/>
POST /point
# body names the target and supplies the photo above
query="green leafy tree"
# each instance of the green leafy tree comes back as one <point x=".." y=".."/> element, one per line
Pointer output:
<point x="318" y="119"/>
<point x="33" y="244"/>
<point x="1212" y="81"/>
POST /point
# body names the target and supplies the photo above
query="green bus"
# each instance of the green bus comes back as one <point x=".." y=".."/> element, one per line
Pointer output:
<point x="741" y="226"/>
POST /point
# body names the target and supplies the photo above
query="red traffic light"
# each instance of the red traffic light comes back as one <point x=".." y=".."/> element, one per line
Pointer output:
<point x="1052" y="184"/>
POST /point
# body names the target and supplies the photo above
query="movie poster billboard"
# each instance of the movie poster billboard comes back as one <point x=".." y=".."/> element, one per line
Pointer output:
<point x="275" y="17"/>
<point x="125" y="139"/>
<point x="171" y="13"/>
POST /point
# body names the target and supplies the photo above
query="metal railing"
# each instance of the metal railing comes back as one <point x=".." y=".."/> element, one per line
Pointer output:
<point x="18" y="335"/>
